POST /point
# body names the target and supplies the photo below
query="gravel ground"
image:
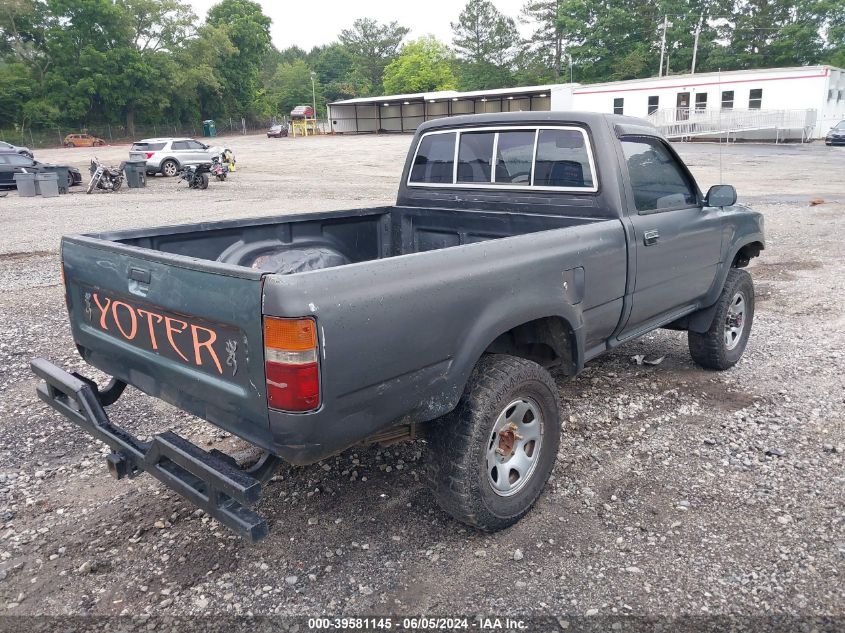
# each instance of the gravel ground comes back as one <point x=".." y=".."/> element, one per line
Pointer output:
<point x="677" y="491"/>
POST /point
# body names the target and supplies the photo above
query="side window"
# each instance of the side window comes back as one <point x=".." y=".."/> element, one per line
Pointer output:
<point x="179" y="145"/>
<point x="195" y="145"/>
<point x="562" y="160"/>
<point x="19" y="161"/>
<point x="474" y="156"/>
<point x="514" y="153"/>
<point x="435" y="159"/>
<point x="657" y="180"/>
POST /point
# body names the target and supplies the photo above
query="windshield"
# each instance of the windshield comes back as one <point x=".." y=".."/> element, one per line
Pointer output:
<point x="840" y="126"/>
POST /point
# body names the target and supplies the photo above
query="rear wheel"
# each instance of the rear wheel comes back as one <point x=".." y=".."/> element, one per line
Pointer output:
<point x="69" y="145"/>
<point x="203" y="181"/>
<point x="169" y="168"/>
<point x="491" y="457"/>
<point x="721" y="346"/>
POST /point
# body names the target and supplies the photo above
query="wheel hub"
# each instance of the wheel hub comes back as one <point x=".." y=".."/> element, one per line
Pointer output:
<point x="514" y="447"/>
<point x="734" y="321"/>
<point x="507" y="441"/>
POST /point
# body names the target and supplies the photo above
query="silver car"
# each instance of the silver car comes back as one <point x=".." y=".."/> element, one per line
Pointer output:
<point x="8" y="147"/>
<point x="168" y="155"/>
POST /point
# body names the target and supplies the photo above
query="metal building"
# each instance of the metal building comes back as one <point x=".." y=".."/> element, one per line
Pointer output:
<point x="403" y="113"/>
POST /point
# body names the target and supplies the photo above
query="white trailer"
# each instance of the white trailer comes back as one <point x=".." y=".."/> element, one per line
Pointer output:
<point x="770" y="104"/>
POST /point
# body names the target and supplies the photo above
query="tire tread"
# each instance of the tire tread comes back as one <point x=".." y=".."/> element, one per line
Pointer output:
<point x="708" y="348"/>
<point x="450" y="471"/>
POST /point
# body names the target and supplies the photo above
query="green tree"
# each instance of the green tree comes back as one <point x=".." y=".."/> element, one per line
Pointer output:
<point x="771" y="33"/>
<point x="373" y="46"/>
<point x="23" y="34"/>
<point x="158" y="24"/>
<point x="546" y="42"/>
<point x="485" y="42"/>
<point x="291" y="86"/>
<point x="423" y="65"/>
<point x="198" y="86"/>
<point x="835" y="28"/>
<point x="249" y="30"/>
<point x="16" y="90"/>
<point x="335" y="66"/>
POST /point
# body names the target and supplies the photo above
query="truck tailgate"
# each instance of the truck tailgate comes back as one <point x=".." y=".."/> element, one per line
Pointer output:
<point x="184" y="330"/>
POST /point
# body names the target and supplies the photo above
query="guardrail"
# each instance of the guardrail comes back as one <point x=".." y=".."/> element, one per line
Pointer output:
<point x="691" y="122"/>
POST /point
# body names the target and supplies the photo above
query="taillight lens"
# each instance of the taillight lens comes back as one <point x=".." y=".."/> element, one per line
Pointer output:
<point x="149" y="154"/>
<point x="291" y="364"/>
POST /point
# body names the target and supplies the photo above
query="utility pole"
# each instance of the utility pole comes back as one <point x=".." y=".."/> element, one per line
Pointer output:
<point x="314" y="98"/>
<point x="666" y="24"/>
<point x="695" y="45"/>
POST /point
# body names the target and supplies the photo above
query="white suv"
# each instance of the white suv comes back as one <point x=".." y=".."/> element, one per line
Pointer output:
<point x="167" y="155"/>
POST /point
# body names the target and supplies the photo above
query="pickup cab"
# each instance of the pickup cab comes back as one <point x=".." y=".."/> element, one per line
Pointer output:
<point x="518" y="242"/>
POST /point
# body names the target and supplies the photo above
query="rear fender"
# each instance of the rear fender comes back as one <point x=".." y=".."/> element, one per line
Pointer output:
<point x="496" y="322"/>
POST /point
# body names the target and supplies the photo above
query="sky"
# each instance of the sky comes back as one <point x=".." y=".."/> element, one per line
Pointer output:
<point x="307" y="24"/>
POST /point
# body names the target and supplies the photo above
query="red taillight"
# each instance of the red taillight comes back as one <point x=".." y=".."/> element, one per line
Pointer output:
<point x="149" y="154"/>
<point x="291" y="366"/>
<point x="293" y="387"/>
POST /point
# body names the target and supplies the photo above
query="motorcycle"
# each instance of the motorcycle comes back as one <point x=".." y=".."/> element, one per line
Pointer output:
<point x="195" y="175"/>
<point x="219" y="168"/>
<point x="105" y="177"/>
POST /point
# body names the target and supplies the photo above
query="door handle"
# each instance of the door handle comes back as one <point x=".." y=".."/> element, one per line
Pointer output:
<point x="651" y="237"/>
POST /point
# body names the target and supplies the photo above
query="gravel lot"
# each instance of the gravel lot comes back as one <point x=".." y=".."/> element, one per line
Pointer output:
<point x="677" y="491"/>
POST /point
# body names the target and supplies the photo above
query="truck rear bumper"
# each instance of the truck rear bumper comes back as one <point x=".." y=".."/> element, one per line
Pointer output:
<point x="211" y="480"/>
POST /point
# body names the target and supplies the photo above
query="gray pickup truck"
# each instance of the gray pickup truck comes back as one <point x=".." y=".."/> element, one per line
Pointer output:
<point x="518" y="242"/>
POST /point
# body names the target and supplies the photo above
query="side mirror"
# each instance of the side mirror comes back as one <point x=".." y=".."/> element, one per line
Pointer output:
<point x="721" y="196"/>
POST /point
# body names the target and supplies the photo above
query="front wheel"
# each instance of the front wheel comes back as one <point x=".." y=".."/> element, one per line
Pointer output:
<point x="203" y="181"/>
<point x="95" y="181"/>
<point x="721" y="346"/>
<point x="491" y="457"/>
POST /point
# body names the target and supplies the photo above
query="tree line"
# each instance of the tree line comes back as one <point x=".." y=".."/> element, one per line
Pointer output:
<point x="83" y="62"/>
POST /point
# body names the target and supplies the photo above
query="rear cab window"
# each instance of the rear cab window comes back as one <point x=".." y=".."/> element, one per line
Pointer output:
<point x="523" y="157"/>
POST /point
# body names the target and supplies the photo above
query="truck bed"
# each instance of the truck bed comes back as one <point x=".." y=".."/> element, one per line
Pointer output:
<point x="336" y="238"/>
<point x="146" y="304"/>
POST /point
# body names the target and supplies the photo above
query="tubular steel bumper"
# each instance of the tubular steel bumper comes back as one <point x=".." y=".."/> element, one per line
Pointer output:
<point x="211" y="480"/>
